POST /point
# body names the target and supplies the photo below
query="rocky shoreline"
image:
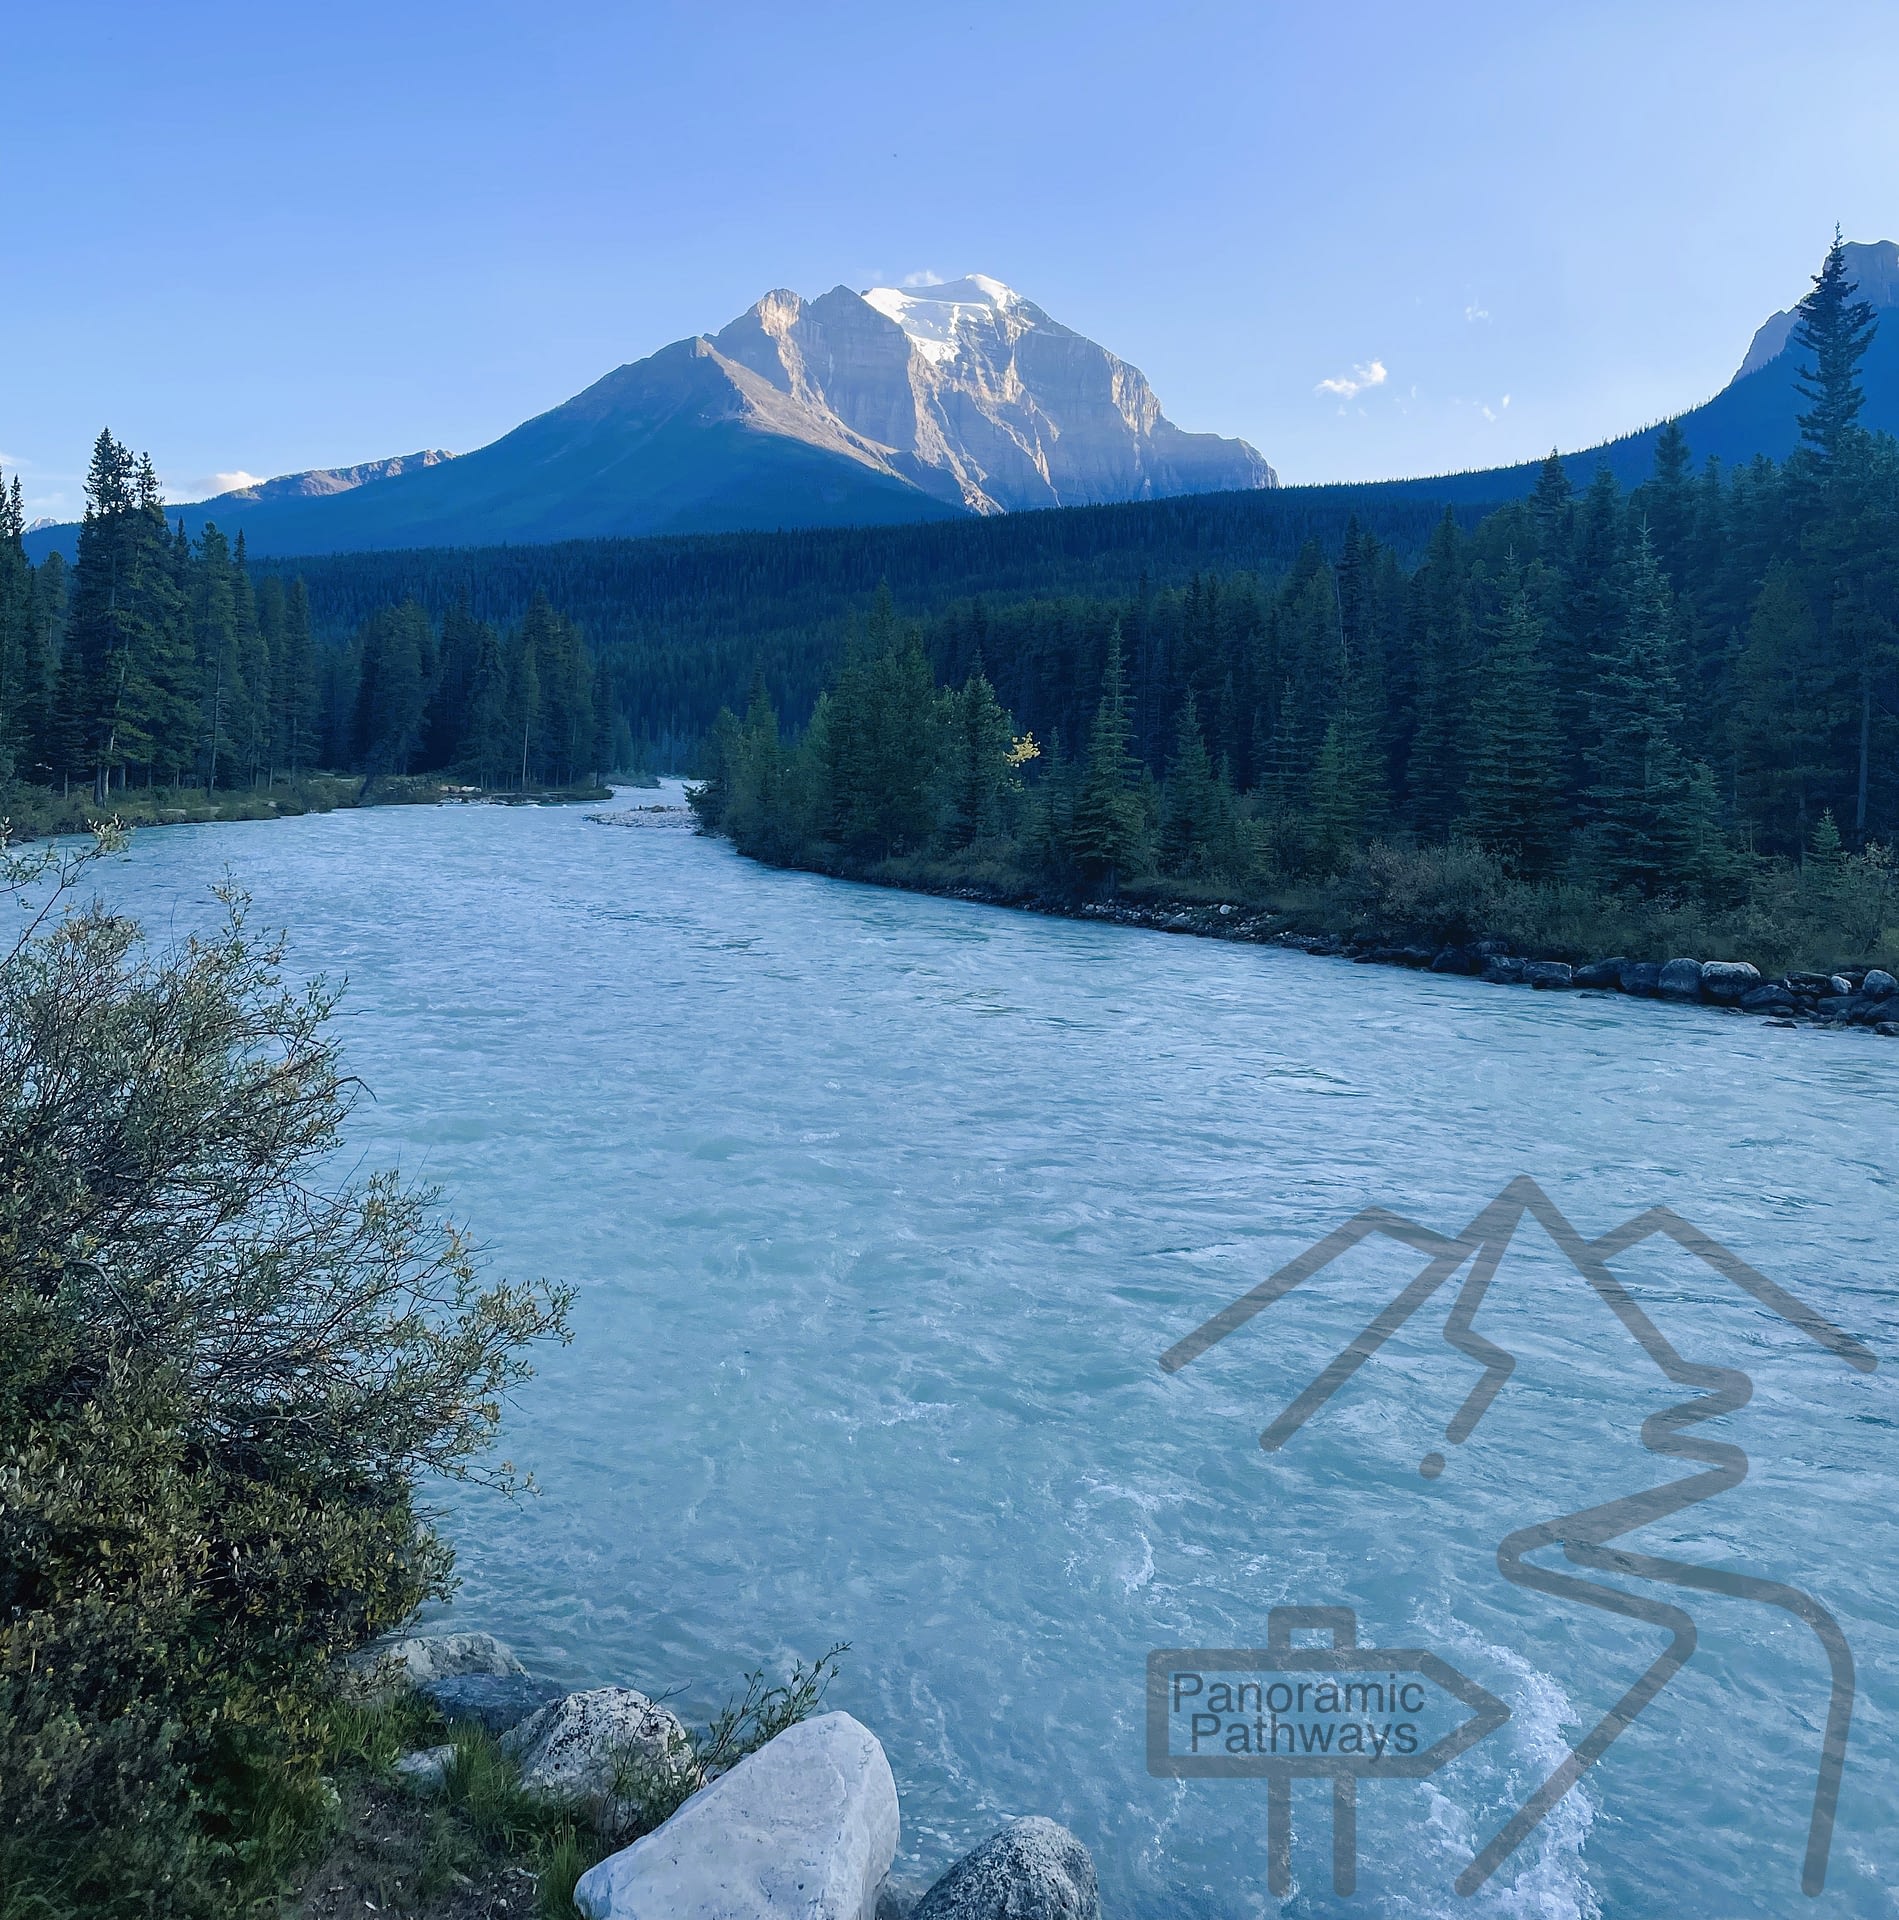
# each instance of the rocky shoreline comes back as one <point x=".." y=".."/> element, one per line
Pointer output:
<point x="1859" y="997"/>
<point x="804" y="1827"/>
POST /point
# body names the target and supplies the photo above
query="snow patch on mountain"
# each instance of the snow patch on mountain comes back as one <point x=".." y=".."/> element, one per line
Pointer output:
<point x="938" y="318"/>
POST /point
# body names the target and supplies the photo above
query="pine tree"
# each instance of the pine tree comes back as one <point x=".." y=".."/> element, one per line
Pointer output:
<point x="1513" y="798"/>
<point x="979" y="761"/>
<point x="1442" y="637"/>
<point x="1194" y="811"/>
<point x="1640" y="798"/>
<point x="1552" y="502"/>
<point x="392" y="693"/>
<point x="1835" y="328"/>
<point x="486" y="735"/>
<point x="298" y="706"/>
<point x="1105" y="835"/>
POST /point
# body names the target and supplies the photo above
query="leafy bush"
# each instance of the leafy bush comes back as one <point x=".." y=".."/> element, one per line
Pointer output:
<point x="219" y="1385"/>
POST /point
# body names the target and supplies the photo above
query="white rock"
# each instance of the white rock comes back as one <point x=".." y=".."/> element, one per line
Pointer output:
<point x="426" y="1769"/>
<point x="390" y="1666"/>
<point x="575" y="1748"/>
<point x="803" y="1829"/>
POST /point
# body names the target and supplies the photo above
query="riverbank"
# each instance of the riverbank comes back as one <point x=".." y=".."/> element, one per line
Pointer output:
<point x="34" y="813"/>
<point x="1332" y="921"/>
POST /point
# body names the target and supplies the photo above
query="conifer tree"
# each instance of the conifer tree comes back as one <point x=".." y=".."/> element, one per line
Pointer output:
<point x="1640" y="798"/>
<point x="1194" y="814"/>
<point x="1835" y="329"/>
<point x="1513" y="799"/>
<point x="1105" y="835"/>
<point x="979" y="761"/>
<point x="486" y="736"/>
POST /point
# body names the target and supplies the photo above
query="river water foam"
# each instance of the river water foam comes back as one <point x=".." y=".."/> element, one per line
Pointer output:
<point x="882" y="1210"/>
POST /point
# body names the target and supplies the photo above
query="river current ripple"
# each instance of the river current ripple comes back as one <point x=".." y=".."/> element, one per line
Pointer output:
<point x="882" y="1210"/>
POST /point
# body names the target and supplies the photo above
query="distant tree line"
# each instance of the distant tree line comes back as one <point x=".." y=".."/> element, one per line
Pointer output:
<point x="684" y="622"/>
<point x="157" y="660"/>
<point x="1646" y="691"/>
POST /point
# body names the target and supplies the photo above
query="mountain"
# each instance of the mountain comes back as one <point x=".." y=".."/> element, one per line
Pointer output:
<point x="321" y="481"/>
<point x="869" y="408"/>
<point x="1874" y="266"/>
<point x="1757" y="412"/>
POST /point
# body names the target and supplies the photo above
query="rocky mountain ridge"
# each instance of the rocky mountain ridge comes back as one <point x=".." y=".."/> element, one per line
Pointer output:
<point x="849" y="409"/>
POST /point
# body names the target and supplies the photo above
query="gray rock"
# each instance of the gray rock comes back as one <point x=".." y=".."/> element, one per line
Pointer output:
<point x="803" y="1829"/>
<point x="497" y="1700"/>
<point x="573" y="1751"/>
<point x="1879" y="985"/>
<point x="1641" y="978"/>
<point x="1811" y="983"/>
<point x="1454" y="960"/>
<point x="1840" y="984"/>
<point x="1727" y="981"/>
<point x="1837" y="1006"/>
<point x="426" y="1770"/>
<point x="1548" y="974"/>
<point x="1680" y="980"/>
<point x="1502" y="971"/>
<point x="1031" y="1870"/>
<point x="415" y="1661"/>
<point x="1769" y="999"/>
<point x="1599" y="973"/>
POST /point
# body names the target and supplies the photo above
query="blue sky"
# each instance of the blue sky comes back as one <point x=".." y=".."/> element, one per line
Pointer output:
<point x="259" y="238"/>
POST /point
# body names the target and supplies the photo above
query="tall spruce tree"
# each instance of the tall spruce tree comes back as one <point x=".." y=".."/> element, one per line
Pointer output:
<point x="1835" y="329"/>
<point x="1513" y="797"/>
<point x="1105" y="832"/>
<point x="1194" y="812"/>
<point x="1640" y="798"/>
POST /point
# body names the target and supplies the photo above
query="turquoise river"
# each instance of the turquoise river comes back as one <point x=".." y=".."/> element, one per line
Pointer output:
<point x="882" y="1211"/>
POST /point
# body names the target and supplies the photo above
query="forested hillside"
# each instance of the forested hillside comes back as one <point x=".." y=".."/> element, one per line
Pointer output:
<point x="1651" y="696"/>
<point x="157" y="661"/>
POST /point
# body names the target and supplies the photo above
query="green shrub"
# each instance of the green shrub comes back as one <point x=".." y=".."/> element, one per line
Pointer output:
<point x="218" y="1386"/>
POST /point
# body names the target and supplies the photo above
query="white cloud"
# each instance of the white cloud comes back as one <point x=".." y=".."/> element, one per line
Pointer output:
<point x="205" y="486"/>
<point x="1473" y="313"/>
<point x="1348" y="386"/>
<point x="924" y="277"/>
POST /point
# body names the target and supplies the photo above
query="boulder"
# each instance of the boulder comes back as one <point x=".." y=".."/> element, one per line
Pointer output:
<point x="419" y="1660"/>
<point x="1837" y="1006"/>
<point x="1548" y="973"/>
<point x="1680" y="980"/>
<point x="1769" y="999"/>
<point x="1455" y="960"/>
<point x="1640" y="977"/>
<point x="573" y="1751"/>
<point x="805" y="1827"/>
<point x="1879" y="984"/>
<point x="1599" y="973"/>
<point x="1812" y="983"/>
<point x="1031" y="1870"/>
<point x="497" y="1700"/>
<point x="1727" y="981"/>
<point x="1502" y="971"/>
<point x="425" y="1771"/>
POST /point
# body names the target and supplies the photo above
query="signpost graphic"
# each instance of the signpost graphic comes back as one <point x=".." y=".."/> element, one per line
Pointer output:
<point x="1335" y="1711"/>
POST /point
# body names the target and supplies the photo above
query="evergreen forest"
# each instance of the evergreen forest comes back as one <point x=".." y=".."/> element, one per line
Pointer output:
<point x="1683" y="697"/>
<point x="160" y="662"/>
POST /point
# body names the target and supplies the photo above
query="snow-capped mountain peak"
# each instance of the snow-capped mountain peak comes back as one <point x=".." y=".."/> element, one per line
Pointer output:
<point x="936" y="318"/>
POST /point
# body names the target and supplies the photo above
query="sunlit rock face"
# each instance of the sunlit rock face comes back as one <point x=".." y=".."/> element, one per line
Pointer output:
<point x="978" y="397"/>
